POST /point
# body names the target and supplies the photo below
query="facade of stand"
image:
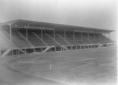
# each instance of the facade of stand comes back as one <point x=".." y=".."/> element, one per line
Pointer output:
<point x="23" y="37"/>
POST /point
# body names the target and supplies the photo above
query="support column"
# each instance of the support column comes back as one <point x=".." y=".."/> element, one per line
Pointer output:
<point x="10" y="26"/>
<point x="64" y="34"/>
<point x="80" y="36"/>
<point x="88" y="37"/>
<point x="10" y="32"/>
<point x="54" y="34"/>
<point x="93" y="38"/>
<point x="41" y="34"/>
<point x="73" y="36"/>
<point x="26" y="33"/>
<point x="54" y="39"/>
<point x="26" y="37"/>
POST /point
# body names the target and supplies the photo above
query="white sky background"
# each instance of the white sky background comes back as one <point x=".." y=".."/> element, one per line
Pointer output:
<point x="90" y="13"/>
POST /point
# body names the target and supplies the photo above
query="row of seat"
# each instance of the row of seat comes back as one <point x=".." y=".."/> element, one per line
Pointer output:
<point x="34" y="39"/>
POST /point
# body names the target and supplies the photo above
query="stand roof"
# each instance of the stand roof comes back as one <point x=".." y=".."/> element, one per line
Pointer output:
<point x="52" y="26"/>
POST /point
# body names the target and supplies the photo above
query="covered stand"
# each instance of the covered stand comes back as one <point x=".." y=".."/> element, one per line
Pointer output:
<point x="27" y="37"/>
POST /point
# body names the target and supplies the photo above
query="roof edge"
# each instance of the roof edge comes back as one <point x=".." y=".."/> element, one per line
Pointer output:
<point x="55" y="24"/>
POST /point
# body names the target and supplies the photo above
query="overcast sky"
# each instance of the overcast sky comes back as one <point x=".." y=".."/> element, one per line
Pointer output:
<point x="91" y="13"/>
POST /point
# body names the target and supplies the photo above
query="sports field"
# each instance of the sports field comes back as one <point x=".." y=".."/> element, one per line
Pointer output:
<point x="94" y="66"/>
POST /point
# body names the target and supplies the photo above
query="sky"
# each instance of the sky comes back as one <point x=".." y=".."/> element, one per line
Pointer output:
<point x="88" y="13"/>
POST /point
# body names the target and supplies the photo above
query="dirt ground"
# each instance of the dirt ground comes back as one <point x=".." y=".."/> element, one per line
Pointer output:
<point x="83" y="67"/>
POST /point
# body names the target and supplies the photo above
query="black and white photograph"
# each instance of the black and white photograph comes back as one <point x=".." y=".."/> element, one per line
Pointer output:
<point x="58" y="42"/>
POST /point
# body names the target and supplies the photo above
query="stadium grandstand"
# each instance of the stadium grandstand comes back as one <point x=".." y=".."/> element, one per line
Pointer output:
<point x="21" y="37"/>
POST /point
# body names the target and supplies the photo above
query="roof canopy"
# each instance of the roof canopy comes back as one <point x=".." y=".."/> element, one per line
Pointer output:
<point x="52" y="26"/>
